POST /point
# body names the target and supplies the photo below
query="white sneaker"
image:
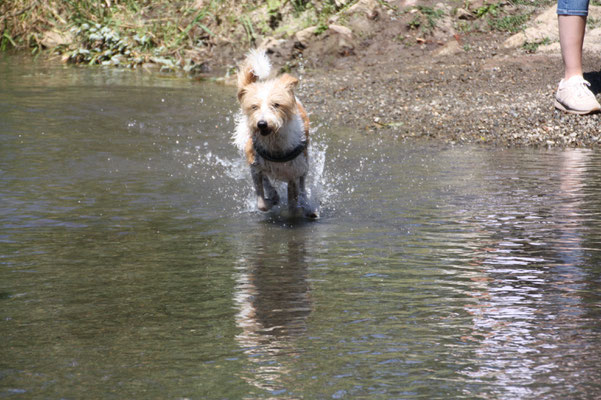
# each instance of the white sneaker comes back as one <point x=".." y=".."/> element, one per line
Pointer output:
<point x="573" y="96"/>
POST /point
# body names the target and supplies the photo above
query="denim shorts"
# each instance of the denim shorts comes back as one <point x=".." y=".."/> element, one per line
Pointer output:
<point x="572" y="7"/>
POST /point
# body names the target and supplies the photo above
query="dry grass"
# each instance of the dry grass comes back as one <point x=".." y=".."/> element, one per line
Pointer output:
<point x="174" y="34"/>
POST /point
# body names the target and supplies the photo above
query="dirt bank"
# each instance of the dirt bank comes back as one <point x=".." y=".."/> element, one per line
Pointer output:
<point x="495" y="96"/>
<point x="481" y="86"/>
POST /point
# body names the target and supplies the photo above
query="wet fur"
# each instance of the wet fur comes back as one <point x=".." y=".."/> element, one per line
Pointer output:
<point x="273" y="117"/>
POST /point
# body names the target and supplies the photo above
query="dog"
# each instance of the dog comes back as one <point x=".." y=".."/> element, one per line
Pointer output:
<point x="273" y="131"/>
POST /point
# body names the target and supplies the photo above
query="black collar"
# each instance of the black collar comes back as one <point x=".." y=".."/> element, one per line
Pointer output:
<point x="289" y="156"/>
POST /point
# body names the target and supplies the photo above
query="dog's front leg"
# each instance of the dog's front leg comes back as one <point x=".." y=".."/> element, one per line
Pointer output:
<point x="272" y="194"/>
<point x="302" y="191"/>
<point x="257" y="176"/>
<point x="292" y="196"/>
<point x="304" y="200"/>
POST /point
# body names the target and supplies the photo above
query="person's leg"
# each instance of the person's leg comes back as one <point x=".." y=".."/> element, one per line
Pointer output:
<point x="571" y="38"/>
<point x="571" y="15"/>
<point x="573" y="95"/>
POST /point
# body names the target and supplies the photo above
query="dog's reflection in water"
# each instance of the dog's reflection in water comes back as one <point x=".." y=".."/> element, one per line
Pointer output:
<point x="273" y="299"/>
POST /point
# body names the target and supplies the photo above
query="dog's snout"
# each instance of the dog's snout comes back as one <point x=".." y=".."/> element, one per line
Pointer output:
<point x="263" y="127"/>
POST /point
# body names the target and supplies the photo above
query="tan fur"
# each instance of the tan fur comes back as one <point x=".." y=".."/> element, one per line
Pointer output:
<point x="249" y="150"/>
<point x="288" y="81"/>
<point x="245" y="78"/>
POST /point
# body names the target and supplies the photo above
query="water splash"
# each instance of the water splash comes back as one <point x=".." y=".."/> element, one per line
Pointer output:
<point x="226" y="175"/>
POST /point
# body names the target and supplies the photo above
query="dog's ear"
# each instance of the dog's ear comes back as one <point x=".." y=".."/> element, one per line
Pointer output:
<point x="288" y="81"/>
<point x="246" y="76"/>
<point x="241" y="93"/>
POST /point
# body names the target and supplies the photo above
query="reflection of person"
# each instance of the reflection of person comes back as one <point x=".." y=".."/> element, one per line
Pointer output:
<point x="573" y="95"/>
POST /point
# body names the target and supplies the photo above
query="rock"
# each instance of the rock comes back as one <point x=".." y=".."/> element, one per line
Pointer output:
<point x="117" y="59"/>
<point x="464" y="14"/>
<point x="326" y="47"/>
<point x="341" y="39"/>
<point x="516" y="40"/>
<point x="341" y="30"/>
<point x="361" y="15"/>
<point x="369" y="8"/>
<point x="544" y="29"/>
<point x="165" y="62"/>
<point x="279" y="50"/>
<point x="271" y="45"/>
<point x="201" y="68"/>
<point x="553" y="48"/>
<point x="304" y="37"/>
<point x="450" y="48"/>
<point x="445" y="25"/>
<point x="592" y="39"/>
<point x="53" y="38"/>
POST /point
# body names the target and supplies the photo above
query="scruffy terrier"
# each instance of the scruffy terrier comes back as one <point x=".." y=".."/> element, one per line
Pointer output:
<point x="273" y="131"/>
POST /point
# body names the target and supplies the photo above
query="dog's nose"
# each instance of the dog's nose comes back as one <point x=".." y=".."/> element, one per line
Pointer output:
<point x="263" y="127"/>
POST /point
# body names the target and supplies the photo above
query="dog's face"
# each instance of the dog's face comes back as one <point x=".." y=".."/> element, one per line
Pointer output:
<point x="268" y="105"/>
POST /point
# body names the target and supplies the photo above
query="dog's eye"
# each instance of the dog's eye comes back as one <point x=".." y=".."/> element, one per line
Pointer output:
<point x="276" y="105"/>
<point x="254" y="107"/>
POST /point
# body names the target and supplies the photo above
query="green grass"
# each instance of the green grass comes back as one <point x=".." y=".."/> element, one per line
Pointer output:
<point x="508" y="16"/>
<point x="425" y="18"/>
<point x="488" y="9"/>
<point x="593" y="23"/>
<point x="534" y="3"/>
<point x="531" y="47"/>
<point x="509" y="23"/>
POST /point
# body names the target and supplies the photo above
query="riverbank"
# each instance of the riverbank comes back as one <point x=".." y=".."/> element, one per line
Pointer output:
<point x="461" y="71"/>
<point x="492" y="87"/>
<point x="502" y="99"/>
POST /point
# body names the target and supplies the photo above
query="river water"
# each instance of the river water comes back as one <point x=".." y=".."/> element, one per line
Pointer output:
<point x="133" y="263"/>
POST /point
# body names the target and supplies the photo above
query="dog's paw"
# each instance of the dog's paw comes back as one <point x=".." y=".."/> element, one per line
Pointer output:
<point x="310" y="214"/>
<point x="308" y="210"/>
<point x="263" y="205"/>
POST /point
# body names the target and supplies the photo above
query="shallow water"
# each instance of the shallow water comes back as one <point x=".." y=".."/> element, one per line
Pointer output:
<point x="134" y="265"/>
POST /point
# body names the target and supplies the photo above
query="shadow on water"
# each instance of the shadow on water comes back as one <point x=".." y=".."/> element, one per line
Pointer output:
<point x="134" y="264"/>
<point x="280" y="217"/>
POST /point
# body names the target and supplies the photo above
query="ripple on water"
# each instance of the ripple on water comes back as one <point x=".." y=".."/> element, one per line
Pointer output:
<point x="133" y="257"/>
